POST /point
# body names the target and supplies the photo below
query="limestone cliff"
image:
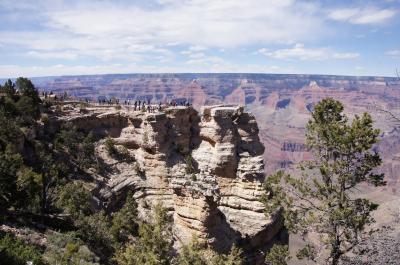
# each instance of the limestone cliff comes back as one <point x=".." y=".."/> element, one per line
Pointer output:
<point x="206" y="169"/>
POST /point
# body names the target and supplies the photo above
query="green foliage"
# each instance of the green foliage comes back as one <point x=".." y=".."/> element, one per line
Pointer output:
<point x="10" y="164"/>
<point x="10" y="133"/>
<point x="77" y="145"/>
<point x="18" y="181"/>
<point x="154" y="244"/>
<point x="15" y="252"/>
<point x="27" y="109"/>
<point x="110" y="147"/>
<point x="68" y="249"/>
<point x="192" y="254"/>
<point x="50" y="173"/>
<point x="308" y="252"/>
<point x="278" y="255"/>
<point x="8" y="107"/>
<point x="124" y="222"/>
<point x="29" y="187"/>
<point x="95" y="230"/>
<point x="322" y="198"/>
<point x="27" y="89"/>
<point x="190" y="167"/>
<point x="234" y="257"/>
<point x="74" y="199"/>
<point x="9" y="89"/>
<point x="121" y="153"/>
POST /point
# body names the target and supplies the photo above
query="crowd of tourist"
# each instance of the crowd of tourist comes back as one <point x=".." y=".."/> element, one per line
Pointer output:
<point x="137" y="105"/>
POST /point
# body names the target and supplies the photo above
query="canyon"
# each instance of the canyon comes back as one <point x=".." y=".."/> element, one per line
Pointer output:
<point x="280" y="103"/>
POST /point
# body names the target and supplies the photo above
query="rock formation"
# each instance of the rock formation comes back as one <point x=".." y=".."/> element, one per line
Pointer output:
<point x="281" y="103"/>
<point x="206" y="169"/>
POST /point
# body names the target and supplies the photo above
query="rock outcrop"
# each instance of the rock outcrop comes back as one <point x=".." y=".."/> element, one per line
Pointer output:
<point x="206" y="169"/>
<point x="281" y="103"/>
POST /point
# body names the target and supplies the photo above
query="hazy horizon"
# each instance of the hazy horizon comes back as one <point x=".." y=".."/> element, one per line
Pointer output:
<point x="53" y="38"/>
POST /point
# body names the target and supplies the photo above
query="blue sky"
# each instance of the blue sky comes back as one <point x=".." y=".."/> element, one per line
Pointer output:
<point x="54" y="37"/>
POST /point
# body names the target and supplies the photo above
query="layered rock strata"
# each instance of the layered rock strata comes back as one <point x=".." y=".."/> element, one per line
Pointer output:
<point x="206" y="169"/>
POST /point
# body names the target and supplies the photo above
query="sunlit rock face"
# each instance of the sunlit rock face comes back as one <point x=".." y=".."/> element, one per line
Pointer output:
<point x="281" y="104"/>
<point x="206" y="167"/>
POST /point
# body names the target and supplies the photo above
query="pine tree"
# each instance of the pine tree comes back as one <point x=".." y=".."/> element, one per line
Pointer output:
<point x="322" y="198"/>
<point x="191" y="254"/>
<point x="154" y="244"/>
<point x="124" y="222"/>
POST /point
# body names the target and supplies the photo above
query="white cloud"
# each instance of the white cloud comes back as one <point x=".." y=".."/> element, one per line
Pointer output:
<point x="203" y="60"/>
<point x="65" y="55"/>
<point x="299" y="52"/>
<point x="362" y="16"/>
<point x="197" y="48"/>
<point x="346" y="55"/>
<point x="200" y="23"/>
<point x="393" y="53"/>
<point x="216" y="65"/>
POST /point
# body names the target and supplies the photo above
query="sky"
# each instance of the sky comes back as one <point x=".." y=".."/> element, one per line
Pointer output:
<point x="54" y="37"/>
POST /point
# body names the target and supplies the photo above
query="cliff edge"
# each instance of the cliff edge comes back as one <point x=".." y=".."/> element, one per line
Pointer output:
<point x="207" y="168"/>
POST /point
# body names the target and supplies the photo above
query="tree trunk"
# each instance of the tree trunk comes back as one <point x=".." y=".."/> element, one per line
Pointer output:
<point x="335" y="253"/>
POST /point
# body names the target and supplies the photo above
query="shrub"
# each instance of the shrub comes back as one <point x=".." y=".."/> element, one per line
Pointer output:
<point x="154" y="244"/>
<point x="95" y="230"/>
<point x="110" y="147"/>
<point x="66" y="249"/>
<point x="120" y="153"/>
<point x="14" y="251"/>
<point x="74" y="199"/>
<point x="190" y="168"/>
<point x="278" y="255"/>
<point x="124" y="222"/>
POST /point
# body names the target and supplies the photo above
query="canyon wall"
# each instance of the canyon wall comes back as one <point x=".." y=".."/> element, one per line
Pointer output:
<point x="281" y="104"/>
<point x="206" y="168"/>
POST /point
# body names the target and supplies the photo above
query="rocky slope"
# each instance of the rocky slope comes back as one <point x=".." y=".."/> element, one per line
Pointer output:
<point x="206" y="168"/>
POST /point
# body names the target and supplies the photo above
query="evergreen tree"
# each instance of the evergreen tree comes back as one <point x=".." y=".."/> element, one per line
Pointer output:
<point x="322" y="198"/>
<point x="192" y="254"/>
<point x="74" y="199"/>
<point x="26" y="88"/>
<point x="278" y="255"/>
<point x="124" y="222"/>
<point x="234" y="257"/>
<point x="9" y="89"/>
<point x="14" y="251"/>
<point x="154" y="244"/>
<point x="10" y="163"/>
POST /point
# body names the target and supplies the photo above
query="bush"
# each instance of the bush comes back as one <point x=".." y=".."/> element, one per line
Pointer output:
<point x="110" y="147"/>
<point x="190" y="167"/>
<point x="192" y="254"/>
<point x="10" y="164"/>
<point x="121" y="153"/>
<point x="14" y="251"/>
<point x="124" y="222"/>
<point x="154" y="244"/>
<point x="278" y="255"/>
<point x="78" y="146"/>
<point x="74" y="199"/>
<point x="67" y="249"/>
<point x="95" y="230"/>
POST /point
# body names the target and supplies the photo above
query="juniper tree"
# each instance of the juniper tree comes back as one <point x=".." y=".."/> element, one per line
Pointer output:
<point x="322" y="198"/>
<point x="154" y="245"/>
